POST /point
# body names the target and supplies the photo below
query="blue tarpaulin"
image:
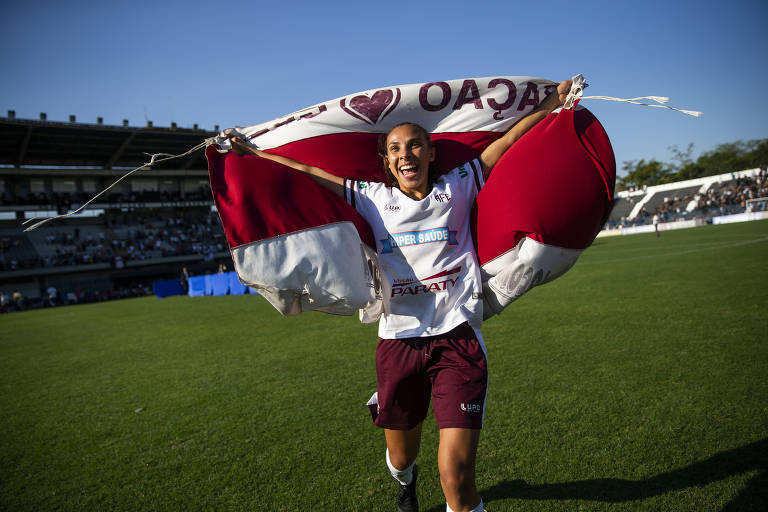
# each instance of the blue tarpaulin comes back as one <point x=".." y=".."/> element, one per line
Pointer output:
<point x="235" y="286"/>
<point x="210" y="284"/>
<point x="197" y="286"/>
<point x="219" y="284"/>
<point x="167" y="288"/>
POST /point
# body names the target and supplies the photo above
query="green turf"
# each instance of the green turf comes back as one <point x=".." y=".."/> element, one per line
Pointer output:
<point x="637" y="381"/>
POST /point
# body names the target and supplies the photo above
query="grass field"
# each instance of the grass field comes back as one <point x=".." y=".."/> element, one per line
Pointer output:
<point x="637" y="381"/>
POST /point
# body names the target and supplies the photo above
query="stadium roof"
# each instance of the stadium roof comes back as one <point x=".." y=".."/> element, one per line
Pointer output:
<point x="25" y="143"/>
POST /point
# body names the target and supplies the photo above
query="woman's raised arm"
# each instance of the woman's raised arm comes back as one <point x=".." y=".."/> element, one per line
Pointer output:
<point x="332" y="182"/>
<point x="493" y="152"/>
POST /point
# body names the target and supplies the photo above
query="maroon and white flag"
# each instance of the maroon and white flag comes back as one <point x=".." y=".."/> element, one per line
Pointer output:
<point x="304" y="248"/>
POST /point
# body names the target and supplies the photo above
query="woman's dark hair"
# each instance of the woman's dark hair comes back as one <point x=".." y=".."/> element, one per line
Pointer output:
<point x="390" y="178"/>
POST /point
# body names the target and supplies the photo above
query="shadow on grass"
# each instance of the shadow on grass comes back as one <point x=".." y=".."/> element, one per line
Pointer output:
<point x="613" y="490"/>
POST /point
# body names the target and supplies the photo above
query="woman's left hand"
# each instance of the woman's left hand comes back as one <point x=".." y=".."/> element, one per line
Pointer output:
<point x="562" y="91"/>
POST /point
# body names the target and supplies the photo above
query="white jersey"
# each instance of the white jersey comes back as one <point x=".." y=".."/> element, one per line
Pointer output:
<point x="430" y="278"/>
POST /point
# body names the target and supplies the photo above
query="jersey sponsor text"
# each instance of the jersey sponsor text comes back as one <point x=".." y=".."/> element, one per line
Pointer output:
<point x="426" y="236"/>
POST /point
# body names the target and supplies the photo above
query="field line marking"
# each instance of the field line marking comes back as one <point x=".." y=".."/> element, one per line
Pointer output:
<point x="688" y="247"/>
<point x="727" y="245"/>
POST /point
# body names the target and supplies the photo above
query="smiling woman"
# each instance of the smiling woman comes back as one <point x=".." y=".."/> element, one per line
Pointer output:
<point x="296" y="241"/>
<point x="408" y="154"/>
<point x="430" y="344"/>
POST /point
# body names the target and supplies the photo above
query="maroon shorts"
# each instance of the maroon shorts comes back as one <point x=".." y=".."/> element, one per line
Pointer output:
<point x="451" y="367"/>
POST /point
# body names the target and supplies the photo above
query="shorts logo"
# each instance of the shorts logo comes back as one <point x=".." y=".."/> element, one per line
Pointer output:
<point x="472" y="408"/>
<point x="463" y="172"/>
<point x="427" y="236"/>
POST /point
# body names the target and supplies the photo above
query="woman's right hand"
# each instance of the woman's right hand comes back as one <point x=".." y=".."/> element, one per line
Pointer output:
<point x="240" y="147"/>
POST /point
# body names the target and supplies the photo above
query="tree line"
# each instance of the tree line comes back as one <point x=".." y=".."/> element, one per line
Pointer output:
<point x="729" y="157"/>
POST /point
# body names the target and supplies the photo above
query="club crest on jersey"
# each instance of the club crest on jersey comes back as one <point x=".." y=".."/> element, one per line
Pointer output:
<point x="427" y="236"/>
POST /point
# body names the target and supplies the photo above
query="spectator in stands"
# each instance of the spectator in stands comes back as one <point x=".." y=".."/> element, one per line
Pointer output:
<point x="18" y="300"/>
<point x="3" y="302"/>
<point x="52" y="293"/>
<point x="184" y="278"/>
<point x="724" y="198"/>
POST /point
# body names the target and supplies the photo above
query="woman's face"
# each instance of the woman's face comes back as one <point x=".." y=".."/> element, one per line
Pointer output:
<point x="408" y="155"/>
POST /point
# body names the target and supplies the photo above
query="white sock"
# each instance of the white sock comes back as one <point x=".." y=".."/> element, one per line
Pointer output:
<point x="478" y="508"/>
<point x="404" y="476"/>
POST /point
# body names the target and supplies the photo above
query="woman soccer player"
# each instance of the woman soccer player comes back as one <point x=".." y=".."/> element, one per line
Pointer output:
<point x="430" y="343"/>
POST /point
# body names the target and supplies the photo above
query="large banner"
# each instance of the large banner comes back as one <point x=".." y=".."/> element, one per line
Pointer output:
<point x="304" y="248"/>
<point x="341" y="135"/>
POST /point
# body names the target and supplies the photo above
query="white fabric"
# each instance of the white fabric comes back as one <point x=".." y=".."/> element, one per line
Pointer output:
<point x="478" y="508"/>
<point x="636" y="101"/>
<point x="404" y="476"/>
<point x="293" y="273"/>
<point x="451" y="106"/>
<point x="528" y="264"/>
<point x="577" y="89"/>
<point x="430" y="278"/>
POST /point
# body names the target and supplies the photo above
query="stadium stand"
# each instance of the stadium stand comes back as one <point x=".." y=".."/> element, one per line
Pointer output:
<point x="622" y="207"/>
<point x="670" y="201"/>
<point x="144" y="230"/>
<point x="700" y="199"/>
<point x="152" y="225"/>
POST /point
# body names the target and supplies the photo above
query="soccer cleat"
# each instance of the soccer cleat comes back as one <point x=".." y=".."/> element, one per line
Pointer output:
<point x="406" y="495"/>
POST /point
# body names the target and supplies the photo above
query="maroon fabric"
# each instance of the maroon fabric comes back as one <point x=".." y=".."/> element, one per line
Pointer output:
<point x="451" y="367"/>
<point x="349" y="155"/>
<point x="554" y="185"/>
<point x="354" y="155"/>
<point x="258" y="199"/>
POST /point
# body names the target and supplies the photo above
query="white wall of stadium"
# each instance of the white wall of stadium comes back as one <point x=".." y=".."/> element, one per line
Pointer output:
<point x="684" y="224"/>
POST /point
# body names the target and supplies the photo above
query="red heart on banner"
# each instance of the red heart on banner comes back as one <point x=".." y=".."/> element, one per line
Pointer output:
<point x="374" y="108"/>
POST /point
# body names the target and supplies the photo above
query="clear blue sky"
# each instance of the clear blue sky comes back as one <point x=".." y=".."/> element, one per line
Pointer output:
<point x="238" y="63"/>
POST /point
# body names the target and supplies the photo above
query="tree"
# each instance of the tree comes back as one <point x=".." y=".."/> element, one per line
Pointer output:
<point x="729" y="157"/>
<point x="725" y="158"/>
<point x="758" y="156"/>
<point x="641" y="173"/>
<point x="685" y="167"/>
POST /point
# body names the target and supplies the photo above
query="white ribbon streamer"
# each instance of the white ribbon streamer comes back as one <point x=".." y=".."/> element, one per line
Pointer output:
<point x="155" y="159"/>
<point x="579" y="84"/>
<point x="658" y="99"/>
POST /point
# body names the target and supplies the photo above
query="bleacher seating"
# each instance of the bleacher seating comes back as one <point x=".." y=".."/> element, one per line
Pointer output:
<point x="673" y="200"/>
<point x="143" y="236"/>
<point x="701" y="198"/>
<point x="16" y="251"/>
<point x="138" y="235"/>
<point x="621" y="208"/>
